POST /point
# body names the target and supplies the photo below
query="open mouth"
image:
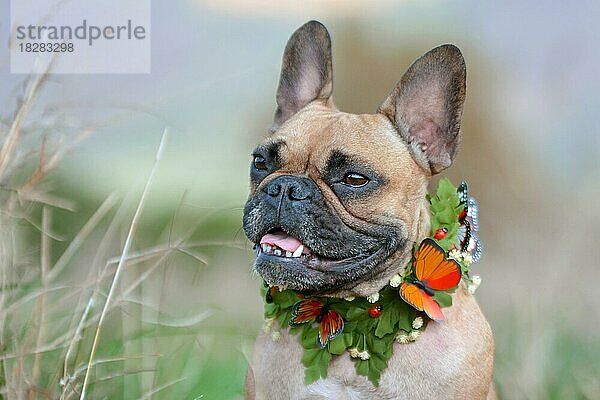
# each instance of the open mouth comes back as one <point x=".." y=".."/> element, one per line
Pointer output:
<point x="280" y="244"/>
<point x="317" y="264"/>
<point x="280" y="247"/>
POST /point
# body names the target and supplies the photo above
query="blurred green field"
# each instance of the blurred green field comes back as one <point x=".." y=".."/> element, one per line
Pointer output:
<point x="75" y="153"/>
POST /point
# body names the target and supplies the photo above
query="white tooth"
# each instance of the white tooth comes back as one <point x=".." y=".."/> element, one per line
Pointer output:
<point x="288" y="253"/>
<point x="298" y="251"/>
<point x="277" y="252"/>
<point x="267" y="249"/>
<point x="264" y="247"/>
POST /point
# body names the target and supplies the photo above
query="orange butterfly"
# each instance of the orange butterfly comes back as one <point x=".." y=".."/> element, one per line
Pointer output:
<point x="331" y="323"/>
<point x="433" y="272"/>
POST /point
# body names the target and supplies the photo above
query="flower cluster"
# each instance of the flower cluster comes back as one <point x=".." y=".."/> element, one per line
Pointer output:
<point x="373" y="298"/>
<point x="355" y="353"/>
<point x="417" y="323"/>
<point x="404" y="337"/>
<point x="395" y="280"/>
<point x="461" y="256"/>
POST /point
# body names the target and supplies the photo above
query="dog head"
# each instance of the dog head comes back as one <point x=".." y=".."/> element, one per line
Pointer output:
<point x="337" y="200"/>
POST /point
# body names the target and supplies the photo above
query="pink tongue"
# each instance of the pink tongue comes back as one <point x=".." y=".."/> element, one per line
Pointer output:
<point x="281" y="240"/>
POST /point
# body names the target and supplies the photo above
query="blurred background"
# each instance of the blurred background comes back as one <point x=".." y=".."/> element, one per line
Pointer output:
<point x="186" y="306"/>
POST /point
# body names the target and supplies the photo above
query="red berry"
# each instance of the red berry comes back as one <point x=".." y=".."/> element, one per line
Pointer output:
<point x="440" y="233"/>
<point x="375" y="312"/>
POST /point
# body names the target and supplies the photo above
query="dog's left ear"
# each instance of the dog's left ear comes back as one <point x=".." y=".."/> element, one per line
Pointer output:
<point x="426" y="106"/>
<point x="306" y="72"/>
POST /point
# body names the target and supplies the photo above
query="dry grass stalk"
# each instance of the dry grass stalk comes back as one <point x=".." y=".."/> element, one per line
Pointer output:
<point x="126" y="247"/>
<point x="42" y="312"/>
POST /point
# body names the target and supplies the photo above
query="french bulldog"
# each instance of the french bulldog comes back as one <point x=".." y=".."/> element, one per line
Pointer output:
<point x="340" y="199"/>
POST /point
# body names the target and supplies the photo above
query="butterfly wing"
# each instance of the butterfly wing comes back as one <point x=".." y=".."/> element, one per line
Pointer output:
<point x="433" y="269"/>
<point x="464" y="235"/>
<point x="412" y="295"/>
<point x="305" y="311"/>
<point x="332" y="324"/>
<point x="475" y="247"/>
<point x="463" y="192"/>
<point x="473" y="213"/>
<point x="461" y="234"/>
<point x="420" y="300"/>
<point x="467" y="240"/>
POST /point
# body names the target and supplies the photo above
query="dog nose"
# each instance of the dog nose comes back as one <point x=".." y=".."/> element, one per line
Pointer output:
<point x="293" y="187"/>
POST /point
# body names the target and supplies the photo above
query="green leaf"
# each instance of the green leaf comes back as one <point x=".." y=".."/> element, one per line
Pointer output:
<point x="385" y="324"/>
<point x="365" y="325"/>
<point x="362" y="367"/>
<point x="445" y="208"/>
<point x="316" y="362"/>
<point x="309" y="337"/>
<point x="405" y="325"/>
<point x="446" y="216"/>
<point x="311" y="375"/>
<point x="446" y="190"/>
<point x="357" y="313"/>
<point x="337" y="345"/>
<point x="310" y="356"/>
<point x="284" y="317"/>
<point x="443" y="299"/>
<point x="286" y="298"/>
<point x="380" y="351"/>
<point x="271" y="310"/>
<point x="378" y="363"/>
<point x="296" y="329"/>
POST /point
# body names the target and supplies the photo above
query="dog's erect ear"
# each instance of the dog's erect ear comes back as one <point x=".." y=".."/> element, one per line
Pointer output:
<point x="306" y="72"/>
<point x="426" y="106"/>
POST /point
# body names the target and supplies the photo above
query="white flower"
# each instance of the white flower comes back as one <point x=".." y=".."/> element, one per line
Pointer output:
<point x="467" y="258"/>
<point x="417" y="323"/>
<point x="414" y="335"/>
<point x="475" y="282"/>
<point x="364" y="355"/>
<point x="402" y="338"/>
<point x="276" y="336"/>
<point x="349" y="298"/>
<point x="373" y="297"/>
<point x="268" y="325"/>
<point x="455" y="254"/>
<point x="353" y="352"/>
<point x="395" y="280"/>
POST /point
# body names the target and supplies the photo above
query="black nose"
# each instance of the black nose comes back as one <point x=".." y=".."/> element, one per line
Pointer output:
<point x="291" y="187"/>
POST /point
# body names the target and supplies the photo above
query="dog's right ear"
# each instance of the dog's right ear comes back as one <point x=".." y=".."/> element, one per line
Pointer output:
<point x="426" y="106"/>
<point x="306" y="72"/>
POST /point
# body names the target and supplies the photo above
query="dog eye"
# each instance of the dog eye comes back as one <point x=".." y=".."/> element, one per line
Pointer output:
<point x="355" y="180"/>
<point x="260" y="163"/>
